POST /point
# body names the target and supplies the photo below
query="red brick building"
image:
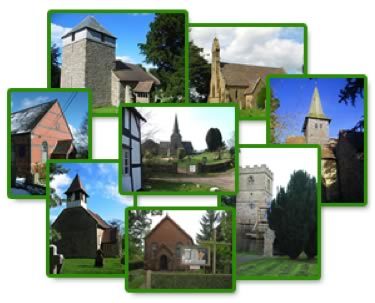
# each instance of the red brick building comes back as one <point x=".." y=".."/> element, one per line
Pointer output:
<point x="39" y="133"/>
<point x="163" y="246"/>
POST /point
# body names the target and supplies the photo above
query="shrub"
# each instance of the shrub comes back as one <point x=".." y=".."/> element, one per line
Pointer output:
<point x="181" y="153"/>
<point x="136" y="265"/>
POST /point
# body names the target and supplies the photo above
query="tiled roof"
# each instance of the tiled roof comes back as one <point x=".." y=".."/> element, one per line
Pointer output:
<point x="75" y="186"/>
<point x="92" y="23"/>
<point x="143" y="87"/>
<point x="132" y="72"/>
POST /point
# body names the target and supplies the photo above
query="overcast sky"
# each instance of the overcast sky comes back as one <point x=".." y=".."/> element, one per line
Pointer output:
<point x="194" y="122"/>
<point x="264" y="46"/>
<point x="189" y="220"/>
<point x="281" y="161"/>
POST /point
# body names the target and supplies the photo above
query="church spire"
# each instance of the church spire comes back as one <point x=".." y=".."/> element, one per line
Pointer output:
<point x="176" y="129"/>
<point x="316" y="109"/>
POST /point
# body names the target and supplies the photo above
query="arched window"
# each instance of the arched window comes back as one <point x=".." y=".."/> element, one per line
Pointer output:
<point x="44" y="152"/>
<point x="178" y="250"/>
<point x="154" y="247"/>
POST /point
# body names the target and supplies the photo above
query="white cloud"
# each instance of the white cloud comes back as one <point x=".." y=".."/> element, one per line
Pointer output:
<point x="60" y="183"/>
<point x="252" y="45"/>
<point x="57" y="31"/>
<point x="29" y="102"/>
<point x="112" y="190"/>
<point x="125" y="58"/>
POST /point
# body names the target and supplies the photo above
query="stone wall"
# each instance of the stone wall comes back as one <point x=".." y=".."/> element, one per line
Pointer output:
<point x="317" y="131"/>
<point x="73" y="65"/>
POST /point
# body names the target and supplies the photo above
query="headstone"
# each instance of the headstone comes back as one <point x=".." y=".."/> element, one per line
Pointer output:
<point x="99" y="260"/>
<point x="269" y="238"/>
<point x="55" y="260"/>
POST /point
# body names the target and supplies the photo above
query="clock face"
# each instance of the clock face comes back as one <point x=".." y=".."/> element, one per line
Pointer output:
<point x="251" y="179"/>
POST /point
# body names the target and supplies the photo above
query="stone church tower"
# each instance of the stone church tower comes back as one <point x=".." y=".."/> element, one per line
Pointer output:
<point x="252" y="202"/>
<point x="176" y="138"/>
<point x="216" y="91"/>
<point x="88" y="57"/>
<point x="316" y="125"/>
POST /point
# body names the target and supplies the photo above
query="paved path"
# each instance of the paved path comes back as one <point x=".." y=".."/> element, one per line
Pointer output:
<point x="247" y="258"/>
<point x="222" y="180"/>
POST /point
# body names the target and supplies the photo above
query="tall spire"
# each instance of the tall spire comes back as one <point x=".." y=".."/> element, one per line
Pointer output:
<point x="176" y="129"/>
<point x="316" y="109"/>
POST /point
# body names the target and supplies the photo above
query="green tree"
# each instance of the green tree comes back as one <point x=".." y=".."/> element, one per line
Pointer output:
<point x="208" y="223"/>
<point x="165" y="49"/>
<point x="214" y="139"/>
<point x="81" y="139"/>
<point x="55" y="66"/>
<point x="352" y="90"/>
<point x="261" y="98"/>
<point x="54" y="170"/>
<point x="275" y="123"/>
<point x="200" y="74"/>
<point x="292" y="216"/>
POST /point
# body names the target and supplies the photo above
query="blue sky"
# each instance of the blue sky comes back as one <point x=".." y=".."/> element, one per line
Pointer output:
<point x="194" y="122"/>
<point x="74" y="114"/>
<point x="129" y="29"/>
<point x="101" y="183"/>
<point x="295" y="98"/>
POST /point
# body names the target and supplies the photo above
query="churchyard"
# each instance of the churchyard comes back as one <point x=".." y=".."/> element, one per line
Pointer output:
<point x="163" y="255"/>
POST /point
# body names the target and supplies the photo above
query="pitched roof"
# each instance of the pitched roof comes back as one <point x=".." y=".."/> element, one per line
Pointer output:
<point x="295" y="140"/>
<point x="25" y="120"/>
<point x="316" y="109"/>
<point x="136" y="112"/>
<point x="91" y="23"/>
<point x="62" y="147"/>
<point x="143" y="87"/>
<point x="244" y="75"/>
<point x="98" y="219"/>
<point x="75" y="186"/>
<point x="174" y="223"/>
<point x="188" y="146"/>
<point x="132" y="72"/>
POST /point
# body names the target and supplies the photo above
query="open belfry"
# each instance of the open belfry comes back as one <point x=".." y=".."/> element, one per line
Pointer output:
<point x="252" y="202"/>
<point x="83" y="232"/>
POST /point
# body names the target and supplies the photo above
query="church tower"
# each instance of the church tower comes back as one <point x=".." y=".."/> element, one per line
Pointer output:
<point x="88" y="57"/>
<point x="76" y="195"/>
<point x="176" y="138"/>
<point x="316" y="125"/>
<point x="215" y="86"/>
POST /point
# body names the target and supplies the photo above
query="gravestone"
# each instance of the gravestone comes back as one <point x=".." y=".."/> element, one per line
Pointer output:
<point x="99" y="260"/>
<point x="269" y="238"/>
<point x="55" y="260"/>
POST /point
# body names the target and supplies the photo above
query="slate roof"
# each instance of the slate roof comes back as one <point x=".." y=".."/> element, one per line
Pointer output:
<point x="132" y="72"/>
<point x="244" y="75"/>
<point x="143" y="87"/>
<point x="91" y="23"/>
<point x="174" y="223"/>
<point x="63" y="147"/>
<point x="76" y="185"/>
<point x="101" y="223"/>
<point x="25" y="120"/>
<point x="188" y="146"/>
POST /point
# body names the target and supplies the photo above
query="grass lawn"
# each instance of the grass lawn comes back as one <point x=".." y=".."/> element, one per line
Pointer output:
<point x="86" y="266"/>
<point x="160" y="185"/>
<point x="136" y="279"/>
<point x="252" y="113"/>
<point x="280" y="267"/>
<point x="105" y="110"/>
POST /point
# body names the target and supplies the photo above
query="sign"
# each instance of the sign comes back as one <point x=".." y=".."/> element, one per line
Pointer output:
<point x="192" y="255"/>
<point x="192" y="168"/>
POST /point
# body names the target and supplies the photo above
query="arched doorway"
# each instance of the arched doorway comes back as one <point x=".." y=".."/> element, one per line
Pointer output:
<point x="163" y="263"/>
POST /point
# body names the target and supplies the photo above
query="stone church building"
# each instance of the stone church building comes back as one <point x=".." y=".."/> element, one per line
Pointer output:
<point x="83" y="232"/>
<point x="252" y="201"/>
<point x="234" y="82"/>
<point x="39" y="133"/>
<point x="89" y="61"/>
<point x="170" y="148"/>
<point x="164" y="245"/>
<point x="342" y="158"/>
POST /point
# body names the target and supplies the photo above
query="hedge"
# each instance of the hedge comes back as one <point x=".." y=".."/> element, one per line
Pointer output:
<point x="136" y="265"/>
<point x="190" y="281"/>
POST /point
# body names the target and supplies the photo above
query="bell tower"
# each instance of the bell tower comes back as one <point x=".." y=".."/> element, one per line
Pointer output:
<point x="76" y="195"/>
<point x="316" y="124"/>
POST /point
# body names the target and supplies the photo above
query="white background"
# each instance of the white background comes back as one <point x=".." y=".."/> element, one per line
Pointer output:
<point x="341" y="40"/>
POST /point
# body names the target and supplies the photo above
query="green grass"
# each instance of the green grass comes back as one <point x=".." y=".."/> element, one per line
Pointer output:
<point x="252" y="113"/>
<point x="105" y="110"/>
<point x="86" y="266"/>
<point x="280" y="267"/>
<point x="136" y="279"/>
<point x="159" y="185"/>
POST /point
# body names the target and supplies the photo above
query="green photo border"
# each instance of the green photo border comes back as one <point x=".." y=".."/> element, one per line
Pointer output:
<point x="48" y="202"/>
<point x="170" y="193"/>
<point x="9" y="136"/>
<point x="179" y="290"/>
<point x="318" y="215"/>
<point x="365" y="104"/>
<point x="305" y="49"/>
<point x="120" y="11"/>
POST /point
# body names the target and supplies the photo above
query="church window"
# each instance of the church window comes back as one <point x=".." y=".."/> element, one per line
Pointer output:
<point x="73" y="36"/>
<point x="251" y="179"/>
<point x="316" y="125"/>
<point x="126" y="161"/>
<point x="44" y="152"/>
<point x="154" y="247"/>
<point x="252" y="205"/>
<point x="268" y="184"/>
<point x="321" y="125"/>
<point x="102" y="37"/>
<point x="178" y="250"/>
